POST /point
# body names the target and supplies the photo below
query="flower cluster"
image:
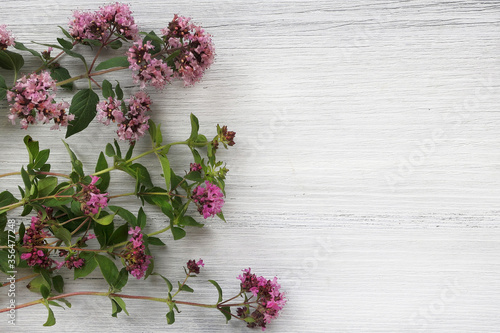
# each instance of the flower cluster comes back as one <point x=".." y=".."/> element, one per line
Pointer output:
<point x="194" y="266"/>
<point x="195" y="46"/>
<point x="71" y="261"/>
<point x="133" y="124"/>
<point x="31" y="100"/>
<point x="35" y="236"/>
<point x="195" y="167"/>
<point x="209" y="199"/>
<point x="134" y="254"/>
<point x="148" y="70"/>
<point x="103" y="23"/>
<point x="91" y="198"/>
<point x="269" y="299"/>
<point x="224" y="136"/>
<point x="6" y="38"/>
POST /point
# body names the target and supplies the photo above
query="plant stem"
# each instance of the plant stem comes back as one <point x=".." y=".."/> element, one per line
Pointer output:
<point x="114" y="167"/>
<point x="107" y="294"/>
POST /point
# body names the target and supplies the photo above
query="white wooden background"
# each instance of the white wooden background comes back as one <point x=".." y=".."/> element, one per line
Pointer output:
<point x="365" y="175"/>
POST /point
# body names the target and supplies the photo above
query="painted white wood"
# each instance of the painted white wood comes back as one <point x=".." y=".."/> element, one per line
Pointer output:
<point x="365" y="175"/>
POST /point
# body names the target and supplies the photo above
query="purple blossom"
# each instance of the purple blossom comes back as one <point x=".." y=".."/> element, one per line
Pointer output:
<point x="268" y="297"/>
<point x="101" y="24"/>
<point x="209" y="199"/>
<point x="196" y="49"/>
<point x="194" y="266"/>
<point x="135" y="124"/>
<point x="148" y="70"/>
<point x="195" y="167"/>
<point x="32" y="100"/>
<point x="136" y="259"/>
<point x="35" y="236"/>
<point x="91" y="198"/>
<point x="110" y="110"/>
<point x="6" y="38"/>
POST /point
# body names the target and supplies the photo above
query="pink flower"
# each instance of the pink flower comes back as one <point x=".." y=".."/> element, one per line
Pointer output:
<point x="194" y="267"/>
<point x="148" y="70"/>
<point x="6" y="38"/>
<point x="101" y="24"/>
<point x="119" y="17"/>
<point x="194" y="167"/>
<point x="135" y="124"/>
<point x="196" y="49"/>
<point x="269" y="299"/>
<point x="91" y="198"/>
<point x="110" y="110"/>
<point x="136" y="259"/>
<point x="209" y="199"/>
<point x="32" y="100"/>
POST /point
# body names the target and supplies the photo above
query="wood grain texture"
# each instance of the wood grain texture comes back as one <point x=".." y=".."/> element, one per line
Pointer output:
<point x="365" y="175"/>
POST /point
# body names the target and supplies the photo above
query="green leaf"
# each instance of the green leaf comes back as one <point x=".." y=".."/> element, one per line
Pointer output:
<point x="107" y="89"/>
<point x="119" y="235"/>
<point x="58" y="283"/>
<point x="141" y="218"/>
<point x="41" y="158"/>
<point x="124" y="214"/>
<point x="88" y="267"/>
<point x="44" y="291"/>
<point x="113" y="62"/>
<point x="130" y="151"/>
<point x="64" y="235"/>
<point x="122" y="279"/>
<point x="194" y="127"/>
<point x="60" y="74"/>
<point x="185" y="287"/>
<point x="83" y="106"/>
<point x="155" y="241"/>
<point x="26" y="179"/>
<point x="139" y="172"/>
<point x="92" y="42"/>
<point x="119" y="91"/>
<point x="102" y="164"/>
<point x="188" y="220"/>
<point x="110" y="151"/>
<point x="121" y="303"/>
<point x="36" y="284"/>
<point x="169" y="285"/>
<point x="116" y="44"/>
<point x="219" y="290"/>
<point x="170" y="317"/>
<point x="20" y="46"/>
<point x="108" y="269"/>
<point x="65" y="44"/>
<point x="115" y="308"/>
<point x="32" y="146"/>
<point x="46" y="186"/>
<point x="105" y="220"/>
<point x="6" y="198"/>
<point x="221" y="216"/>
<point x="51" y="320"/>
<point x="60" y="201"/>
<point x="178" y="233"/>
<point x="66" y="33"/>
<point x="63" y="300"/>
<point x="165" y="166"/>
<point x="11" y="61"/>
<point x="75" y="55"/>
<point x="226" y="311"/>
<point x="118" y="151"/>
<point x="3" y="88"/>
